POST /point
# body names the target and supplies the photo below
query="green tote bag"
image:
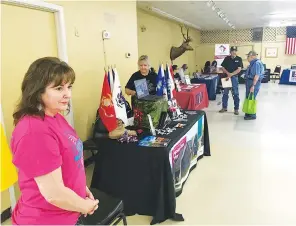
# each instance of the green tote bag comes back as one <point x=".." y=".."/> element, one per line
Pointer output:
<point x="250" y="104"/>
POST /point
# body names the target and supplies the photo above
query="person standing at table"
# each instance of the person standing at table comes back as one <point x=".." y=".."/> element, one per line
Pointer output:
<point x="144" y="72"/>
<point x="254" y="75"/>
<point x="47" y="151"/>
<point x="176" y="72"/>
<point x="232" y="66"/>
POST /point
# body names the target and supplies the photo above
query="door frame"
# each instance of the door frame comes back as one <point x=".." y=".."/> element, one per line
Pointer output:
<point x="61" y="45"/>
<point x="60" y="31"/>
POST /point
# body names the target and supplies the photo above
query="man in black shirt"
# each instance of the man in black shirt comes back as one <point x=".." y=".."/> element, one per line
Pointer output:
<point x="231" y="66"/>
<point x="144" y="72"/>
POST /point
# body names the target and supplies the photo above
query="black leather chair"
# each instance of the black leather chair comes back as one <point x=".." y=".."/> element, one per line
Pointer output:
<point x="110" y="211"/>
<point x="276" y="75"/>
<point x="99" y="131"/>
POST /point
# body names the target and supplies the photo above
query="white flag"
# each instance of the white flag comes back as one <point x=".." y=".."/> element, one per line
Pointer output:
<point x="171" y="83"/>
<point x="117" y="98"/>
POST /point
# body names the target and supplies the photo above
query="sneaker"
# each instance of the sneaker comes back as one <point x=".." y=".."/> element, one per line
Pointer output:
<point x="222" y="110"/>
<point x="236" y="112"/>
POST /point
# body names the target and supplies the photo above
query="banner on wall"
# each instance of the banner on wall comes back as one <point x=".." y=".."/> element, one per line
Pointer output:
<point x="184" y="154"/>
<point x="292" y="76"/>
<point x="221" y="51"/>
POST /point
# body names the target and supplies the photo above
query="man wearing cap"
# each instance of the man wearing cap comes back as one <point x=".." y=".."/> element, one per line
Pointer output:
<point x="231" y="66"/>
<point x="254" y="75"/>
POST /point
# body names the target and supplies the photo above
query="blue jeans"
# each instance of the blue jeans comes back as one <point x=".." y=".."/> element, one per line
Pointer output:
<point x="235" y="94"/>
<point x="249" y="84"/>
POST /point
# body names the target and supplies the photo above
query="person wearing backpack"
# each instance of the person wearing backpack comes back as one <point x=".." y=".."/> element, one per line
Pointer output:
<point x="254" y="75"/>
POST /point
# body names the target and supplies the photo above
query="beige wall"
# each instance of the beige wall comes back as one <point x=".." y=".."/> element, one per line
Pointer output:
<point x="86" y="53"/>
<point x="206" y="52"/>
<point x="160" y="35"/>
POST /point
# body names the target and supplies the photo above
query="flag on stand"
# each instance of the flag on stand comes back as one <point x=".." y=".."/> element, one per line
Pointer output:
<point x="291" y="40"/>
<point x="173" y="80"/>
<point x="8" y="170"/>
<point x="170" y="83"/>
<point x="106" y="109"/>
<point x="118" y="99"/>
<point x="161" y="89"/>
<point x="111" y="79"/>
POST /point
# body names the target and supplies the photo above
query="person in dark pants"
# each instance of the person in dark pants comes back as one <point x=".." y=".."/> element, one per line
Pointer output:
<point x="231" y="66"/>
<point x="254" y="75"/>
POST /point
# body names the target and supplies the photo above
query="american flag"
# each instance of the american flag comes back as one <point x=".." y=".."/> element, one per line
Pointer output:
<point x="291" y="40"/>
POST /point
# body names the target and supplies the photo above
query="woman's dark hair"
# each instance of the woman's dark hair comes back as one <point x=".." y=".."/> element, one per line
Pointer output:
<point x="214" y="63"/>
<point x="208" y="64"/>
<point x="207" y="67"/>
<point x="40" y="74"/>
<point x="175" y="67"/>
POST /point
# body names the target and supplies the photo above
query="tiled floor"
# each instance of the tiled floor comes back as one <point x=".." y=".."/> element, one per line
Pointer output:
<point x="250" y="179"/>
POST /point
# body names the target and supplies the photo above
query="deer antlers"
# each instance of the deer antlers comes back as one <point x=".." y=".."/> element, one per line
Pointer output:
<point x="186" y="39"/>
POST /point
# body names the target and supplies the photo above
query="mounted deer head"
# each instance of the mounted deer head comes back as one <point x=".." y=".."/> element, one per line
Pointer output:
<point x="178" y="51"/>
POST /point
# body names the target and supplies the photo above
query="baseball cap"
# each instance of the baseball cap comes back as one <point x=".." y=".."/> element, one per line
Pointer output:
<point x="252" y="53"/>
<point x="233" y="48"/>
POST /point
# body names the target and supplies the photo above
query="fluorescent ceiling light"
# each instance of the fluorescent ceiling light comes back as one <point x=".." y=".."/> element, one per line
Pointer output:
<point x="282" y="15"/>
<point x="165" y="14"/>
<point x="280" y="23"/>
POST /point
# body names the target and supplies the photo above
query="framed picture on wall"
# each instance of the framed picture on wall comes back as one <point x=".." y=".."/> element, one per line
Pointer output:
<point x="271" y="52"/>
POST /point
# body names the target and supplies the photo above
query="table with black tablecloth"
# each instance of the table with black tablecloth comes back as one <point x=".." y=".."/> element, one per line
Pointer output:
<point x="211" y="83"/>
<point x="148" y="179"/>
<point x="285" y="77"/>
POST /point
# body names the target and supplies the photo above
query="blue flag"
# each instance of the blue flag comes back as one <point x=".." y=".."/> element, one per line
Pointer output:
<point x="159" y="82"/>
<point x="168" y="82"/>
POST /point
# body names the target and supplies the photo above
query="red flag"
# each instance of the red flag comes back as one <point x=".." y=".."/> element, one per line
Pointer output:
<point x="106" y="110"/>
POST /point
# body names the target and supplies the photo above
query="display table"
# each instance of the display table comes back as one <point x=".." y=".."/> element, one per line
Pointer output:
<point x="285" y="78"/>
<point x="148" y="179"/>
<point x="195" y="99"/>
<point x="211" y="83"/>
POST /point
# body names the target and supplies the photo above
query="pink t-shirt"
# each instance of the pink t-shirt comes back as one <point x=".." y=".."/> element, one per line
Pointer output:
<point x="39" y="147"/>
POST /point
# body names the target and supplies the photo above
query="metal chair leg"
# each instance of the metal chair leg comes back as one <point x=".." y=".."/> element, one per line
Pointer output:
<point x="120" y="217"/>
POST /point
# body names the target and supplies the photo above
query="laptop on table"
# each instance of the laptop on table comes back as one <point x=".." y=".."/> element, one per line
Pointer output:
<point x="143" y="91"/>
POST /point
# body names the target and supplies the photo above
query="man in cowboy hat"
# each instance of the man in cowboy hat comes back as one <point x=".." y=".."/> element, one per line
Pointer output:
<point x="254" y="75"/>
<point x="231" y="66"/>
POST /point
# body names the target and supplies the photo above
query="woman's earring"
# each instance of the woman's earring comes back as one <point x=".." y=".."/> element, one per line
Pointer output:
<point x="39" y="107"/>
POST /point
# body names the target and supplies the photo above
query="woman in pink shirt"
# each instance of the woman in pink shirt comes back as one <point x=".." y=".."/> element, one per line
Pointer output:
<point x="47" y="151"/>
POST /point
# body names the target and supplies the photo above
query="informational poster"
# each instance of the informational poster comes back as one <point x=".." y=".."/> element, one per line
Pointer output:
<point x="221" y="51"/>
<point x="292" y="76"/>
<point x="185" y="153"/>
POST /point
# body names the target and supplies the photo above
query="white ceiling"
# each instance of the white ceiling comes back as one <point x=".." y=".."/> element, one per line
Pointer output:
<point x="242" y="14"/>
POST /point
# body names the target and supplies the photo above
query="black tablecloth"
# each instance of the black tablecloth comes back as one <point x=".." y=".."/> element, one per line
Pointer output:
<point x="142" y="176"/>
<point x="211" y="84"/>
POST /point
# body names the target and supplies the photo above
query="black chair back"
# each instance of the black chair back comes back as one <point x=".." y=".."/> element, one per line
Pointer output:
<point x="278" y="69"/>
